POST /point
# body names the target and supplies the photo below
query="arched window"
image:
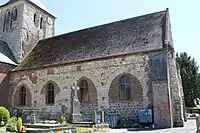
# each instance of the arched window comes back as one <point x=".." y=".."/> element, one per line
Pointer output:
<point x="8" y="18"/>
<point x="41" y="22"/>
<point x="50" y="94"/>
<point x="14" y="14"/>
<point x="83" y="90"/>
<point x="125" y="88"/>
<point x="35" y="18"/>
<point x="4" y="24"/>
<point x="22" y="96"/>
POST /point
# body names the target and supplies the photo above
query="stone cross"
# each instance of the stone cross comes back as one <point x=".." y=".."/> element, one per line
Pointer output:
<point x="75" y="88"/>
<point x="76" y="115"/>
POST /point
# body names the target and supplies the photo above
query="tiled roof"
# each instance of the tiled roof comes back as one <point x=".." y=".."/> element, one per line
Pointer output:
<point x="138" y="34"/>
<point x="6" y="55"/>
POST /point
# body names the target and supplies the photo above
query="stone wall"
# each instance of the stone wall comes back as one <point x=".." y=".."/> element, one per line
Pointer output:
<point x="151" y="87"/>
<point x="162" y="107"/>
<point x="13" y="35"/>
<point x="176" y="92"/>
<point x="24" y="34"/>
<point x="101" y="73"/>
<point x="31" y="32"/>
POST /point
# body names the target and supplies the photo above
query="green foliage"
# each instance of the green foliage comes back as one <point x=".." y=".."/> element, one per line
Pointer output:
<point x="19" y="124"/>
<point x="11" y="126"/>
<point x="67" y="124"/>
<point x="68" y="117"/>
<point x="190" y="78"/>
<point x="4" y="114"/>
<point x="62" y="120"/>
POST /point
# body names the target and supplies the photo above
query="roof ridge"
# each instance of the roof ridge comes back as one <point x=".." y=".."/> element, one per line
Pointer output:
<point x="105" y="24"/>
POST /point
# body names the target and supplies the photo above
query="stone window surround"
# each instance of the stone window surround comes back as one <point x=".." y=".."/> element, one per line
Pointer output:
<point x="44" y="91"/>
<point x="136" y="90"/>
<point x="16" y="99"/>
<point x="14" y="14"/>
<point x="9" y="17"/>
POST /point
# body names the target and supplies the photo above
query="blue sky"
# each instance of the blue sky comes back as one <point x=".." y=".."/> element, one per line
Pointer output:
<point x="78" y="14"/>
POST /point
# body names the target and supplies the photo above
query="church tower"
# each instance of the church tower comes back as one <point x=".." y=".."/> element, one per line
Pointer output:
<point x="23" y="23"/>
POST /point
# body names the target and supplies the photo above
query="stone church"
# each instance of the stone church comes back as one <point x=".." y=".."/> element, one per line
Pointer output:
<point x="120" y="67"/>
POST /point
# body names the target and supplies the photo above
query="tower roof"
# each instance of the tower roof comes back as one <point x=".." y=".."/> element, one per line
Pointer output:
<point x="6" y="55"/>
<point x="37" y="3"/>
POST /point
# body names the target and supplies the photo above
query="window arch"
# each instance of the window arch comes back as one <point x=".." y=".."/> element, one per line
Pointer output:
<point x="14" y="14"/>
<point x="83" y="90"/>
<point x="8" y="18"/>
<point x="50" y="91"/>
<point x="4" y="24"/>
<point x="35" y="18"/>
<point x="22" y="96"/>
<point x="125" y="88"/>
<point x="41" y="22"/>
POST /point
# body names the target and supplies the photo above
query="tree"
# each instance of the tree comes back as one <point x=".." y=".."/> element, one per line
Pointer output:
<point x="190" y="78"/>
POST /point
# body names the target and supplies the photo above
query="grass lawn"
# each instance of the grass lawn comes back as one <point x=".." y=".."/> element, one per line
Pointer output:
<point x="92" y="130"/>
<point x="79" y="130"/>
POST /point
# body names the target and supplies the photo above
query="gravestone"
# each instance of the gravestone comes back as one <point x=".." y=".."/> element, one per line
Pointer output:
<point x="94" y="117"/>
<point x="102" y="117"/>
<point x="28" y="114"/>
<point x="198" y="124"/>
<point x="33" y="119"/>
<point x="76" y="115"/>
<point x="98" y="117"/>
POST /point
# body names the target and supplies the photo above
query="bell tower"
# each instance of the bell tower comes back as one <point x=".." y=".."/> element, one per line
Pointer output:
<point x="23" y="23"/>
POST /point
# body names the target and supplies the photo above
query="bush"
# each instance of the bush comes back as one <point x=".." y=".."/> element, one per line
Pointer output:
<point x="62" y="120"/>
<point x="67" y="124"/>
<point x="19" y="124"/>
<point x="4" y="114"/>
<point x="11" y="126"/>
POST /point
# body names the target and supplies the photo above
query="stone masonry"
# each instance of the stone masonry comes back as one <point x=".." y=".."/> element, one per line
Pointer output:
<point x="138" y="48"/>
<point x="105" y="70"/>
<point x="23" y="34"/>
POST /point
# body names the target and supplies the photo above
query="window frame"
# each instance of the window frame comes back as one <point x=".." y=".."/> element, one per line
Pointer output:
<point x="83" y="85"/>
<point x="4" y="24"/>
<point x="124" y="88"/>
<point x="50" y="94"/>
<point x="22" y="95"/>
<point x="41" y="23"/>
